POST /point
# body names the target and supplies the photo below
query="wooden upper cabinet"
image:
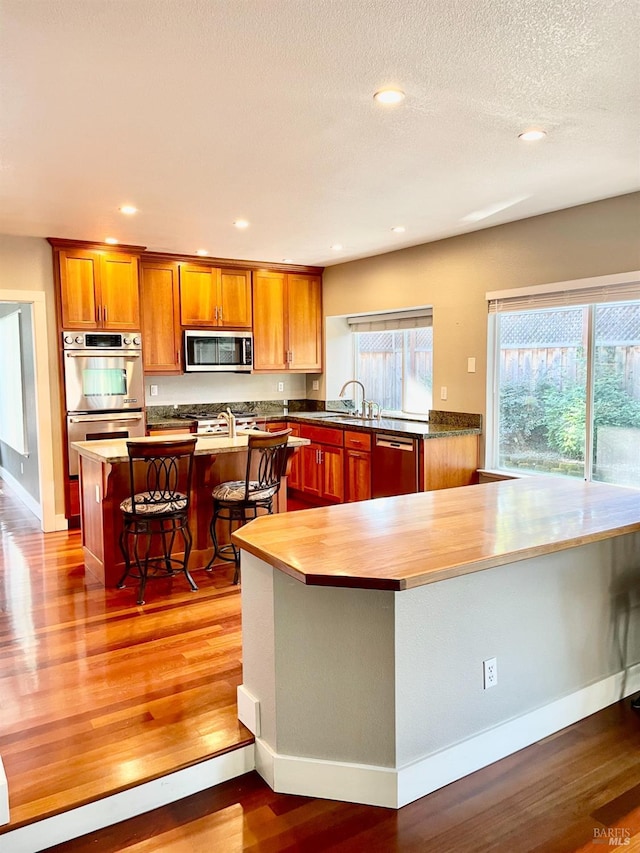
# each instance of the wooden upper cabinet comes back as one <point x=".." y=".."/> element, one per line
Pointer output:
<point x="304" y="322"/>
<point x="198" y="295"/>
<point x="79" y="274"/>
<point x="98" y="290"/>
<point x="161" y="332"/>
<point x="215" y="298"/>
<point x="269" y="334"/>
<point x="234" y="299"/>
<point x="287" y="329"/>
<point x="119" y="296"/>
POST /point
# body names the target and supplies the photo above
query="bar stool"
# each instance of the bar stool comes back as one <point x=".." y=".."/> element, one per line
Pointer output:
<point x="238" y="501"/>
<point x="158" y="509"/>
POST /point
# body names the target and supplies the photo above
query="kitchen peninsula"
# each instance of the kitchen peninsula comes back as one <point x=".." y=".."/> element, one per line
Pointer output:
<point x="104" y="483"/>
<point x="366" y="628"/>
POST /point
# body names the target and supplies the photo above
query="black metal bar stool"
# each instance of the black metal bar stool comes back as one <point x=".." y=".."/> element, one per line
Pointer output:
<point x="238" y="501"/>
<point x="158" y="509"/>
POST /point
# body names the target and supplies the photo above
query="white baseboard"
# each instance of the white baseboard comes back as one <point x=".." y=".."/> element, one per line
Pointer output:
<point x="19" y="490"/>
<point x="248" y="710"/>
<point x="126" y="804"/>
<point x="396" y="787"/>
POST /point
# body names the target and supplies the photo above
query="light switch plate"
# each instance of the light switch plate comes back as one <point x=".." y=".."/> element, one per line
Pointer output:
<point x="471" y="365"/>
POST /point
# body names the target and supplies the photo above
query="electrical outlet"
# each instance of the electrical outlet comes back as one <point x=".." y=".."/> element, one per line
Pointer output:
<point x="281" y="386"/>
<point x="490" y="672"/>
<point x="443" y="392"/>
<point x="315" y="385"/>
<point x="153" y="390"/>
<point x="471" y="365"/>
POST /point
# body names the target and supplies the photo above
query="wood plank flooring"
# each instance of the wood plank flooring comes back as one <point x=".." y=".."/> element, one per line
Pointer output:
<point x="95" y="691"/>
<point x="561" y="795"/>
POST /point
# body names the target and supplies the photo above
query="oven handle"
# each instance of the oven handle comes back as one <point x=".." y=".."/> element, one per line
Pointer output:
<point x="110" y="353"/>
<point x="114" y="416"/>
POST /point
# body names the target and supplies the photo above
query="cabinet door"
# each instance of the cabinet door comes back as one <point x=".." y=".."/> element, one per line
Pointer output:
<point x="198" y="296"/>
<point x="332" y="465"/>
<point x="161" y="333"/>
<point x="119" y="306"/>
<point x="269" y="343"/>
<point x="79" y="279"/>
<point x="358" y="475"/>
<point x="304" y="322"/>
<point x="234" y="299"/>
<point x="294" y="479"/>
<point x="310" y="470"/>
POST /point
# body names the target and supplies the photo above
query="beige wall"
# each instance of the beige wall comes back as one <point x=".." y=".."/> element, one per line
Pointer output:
<point x="453" y="276"/>
<point x="26" y="264"/>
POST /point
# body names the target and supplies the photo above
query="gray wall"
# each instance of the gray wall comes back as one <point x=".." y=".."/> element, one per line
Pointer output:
<point x="11" y="460"/>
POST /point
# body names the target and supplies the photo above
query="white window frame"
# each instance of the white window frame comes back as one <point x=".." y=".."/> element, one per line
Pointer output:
<point x="616" y="287"/>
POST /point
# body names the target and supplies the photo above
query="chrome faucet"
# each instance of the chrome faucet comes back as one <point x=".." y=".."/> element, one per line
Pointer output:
<point x="230" y="420"/>
<point x="364" y="393"/>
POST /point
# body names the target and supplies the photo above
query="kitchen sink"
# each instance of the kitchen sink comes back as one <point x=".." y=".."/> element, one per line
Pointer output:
<point x="351" y="418"/>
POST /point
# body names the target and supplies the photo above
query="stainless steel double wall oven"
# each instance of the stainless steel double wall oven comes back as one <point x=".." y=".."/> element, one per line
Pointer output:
<point x="104" y="387"/>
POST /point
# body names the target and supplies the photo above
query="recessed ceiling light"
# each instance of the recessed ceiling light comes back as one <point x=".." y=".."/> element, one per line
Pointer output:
<point x="241" y="223"/>
<point x="128" y="209"/>
<point x="111" y="241"/>
<point x="287" y="260"/>
<point x="398" y="229"/>
<point x="532" y="135"/>
<point x="389" y="96"/>
<point x="202" y="252"/>
<point x="336" y="247"/>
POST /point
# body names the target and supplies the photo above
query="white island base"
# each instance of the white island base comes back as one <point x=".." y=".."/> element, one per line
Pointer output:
<point x="376" y="696"/>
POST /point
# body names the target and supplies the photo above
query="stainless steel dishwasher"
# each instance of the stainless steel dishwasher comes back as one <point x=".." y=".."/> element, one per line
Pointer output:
<point x="394" y="466"/>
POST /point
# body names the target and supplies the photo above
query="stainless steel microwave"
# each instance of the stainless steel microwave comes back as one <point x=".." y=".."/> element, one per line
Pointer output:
<point x="218" y="351"/>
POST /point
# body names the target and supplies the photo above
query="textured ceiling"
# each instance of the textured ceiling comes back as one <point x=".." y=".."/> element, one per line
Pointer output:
<point x="203" y="111"/>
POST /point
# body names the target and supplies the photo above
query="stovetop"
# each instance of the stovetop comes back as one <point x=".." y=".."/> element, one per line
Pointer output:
<point x="208" y="423"/>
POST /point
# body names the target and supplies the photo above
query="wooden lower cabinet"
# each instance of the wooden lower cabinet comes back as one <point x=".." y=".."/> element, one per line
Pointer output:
<point x="447" y="462"/>
<point x="321" y="464"/>
<point x="322" y="472"/>
<point x="357" y="465"/>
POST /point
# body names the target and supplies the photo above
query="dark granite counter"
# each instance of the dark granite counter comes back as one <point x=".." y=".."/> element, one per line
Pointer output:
<point x="440" y="424"/>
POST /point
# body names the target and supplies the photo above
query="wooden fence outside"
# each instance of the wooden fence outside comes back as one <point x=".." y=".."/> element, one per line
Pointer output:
<point x="563" y="365"/>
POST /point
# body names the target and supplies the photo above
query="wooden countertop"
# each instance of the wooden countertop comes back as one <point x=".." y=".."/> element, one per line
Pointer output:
<point x="410" y="540"/>
<point x="115" y="450"/>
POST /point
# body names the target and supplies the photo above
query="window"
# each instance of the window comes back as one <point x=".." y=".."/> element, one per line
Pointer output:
<point x="567" y="386"/>
<point x="394" y="360"/>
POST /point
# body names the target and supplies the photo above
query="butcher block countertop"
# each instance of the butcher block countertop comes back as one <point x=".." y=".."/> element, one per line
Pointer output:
<point x="406" y="541"/>
<point x="115" y="450"/>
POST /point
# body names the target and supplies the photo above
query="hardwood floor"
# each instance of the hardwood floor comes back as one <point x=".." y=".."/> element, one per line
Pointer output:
<point x="561" y="795"/>
<point x="96" y="694"/>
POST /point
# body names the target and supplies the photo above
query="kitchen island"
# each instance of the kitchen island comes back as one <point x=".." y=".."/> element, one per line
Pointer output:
<point x="366" y="627"/>
<point x="104" y="483"/>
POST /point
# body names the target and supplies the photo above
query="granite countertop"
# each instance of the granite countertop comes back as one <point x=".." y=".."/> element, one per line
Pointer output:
<point x="393" y="426"/>
<point x="440" y="425"/>
<point x="114" y="450"/>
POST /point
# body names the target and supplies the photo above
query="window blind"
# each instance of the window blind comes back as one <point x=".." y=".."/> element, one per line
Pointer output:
<point x="415" y="318"/>
<point x="627" y="289"/>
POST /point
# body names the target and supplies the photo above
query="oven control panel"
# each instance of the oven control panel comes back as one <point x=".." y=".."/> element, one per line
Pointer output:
<point x="102" y="340"/>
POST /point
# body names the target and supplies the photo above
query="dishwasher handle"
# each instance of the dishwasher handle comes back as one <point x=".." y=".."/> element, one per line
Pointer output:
<point x="395" y="442"/>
